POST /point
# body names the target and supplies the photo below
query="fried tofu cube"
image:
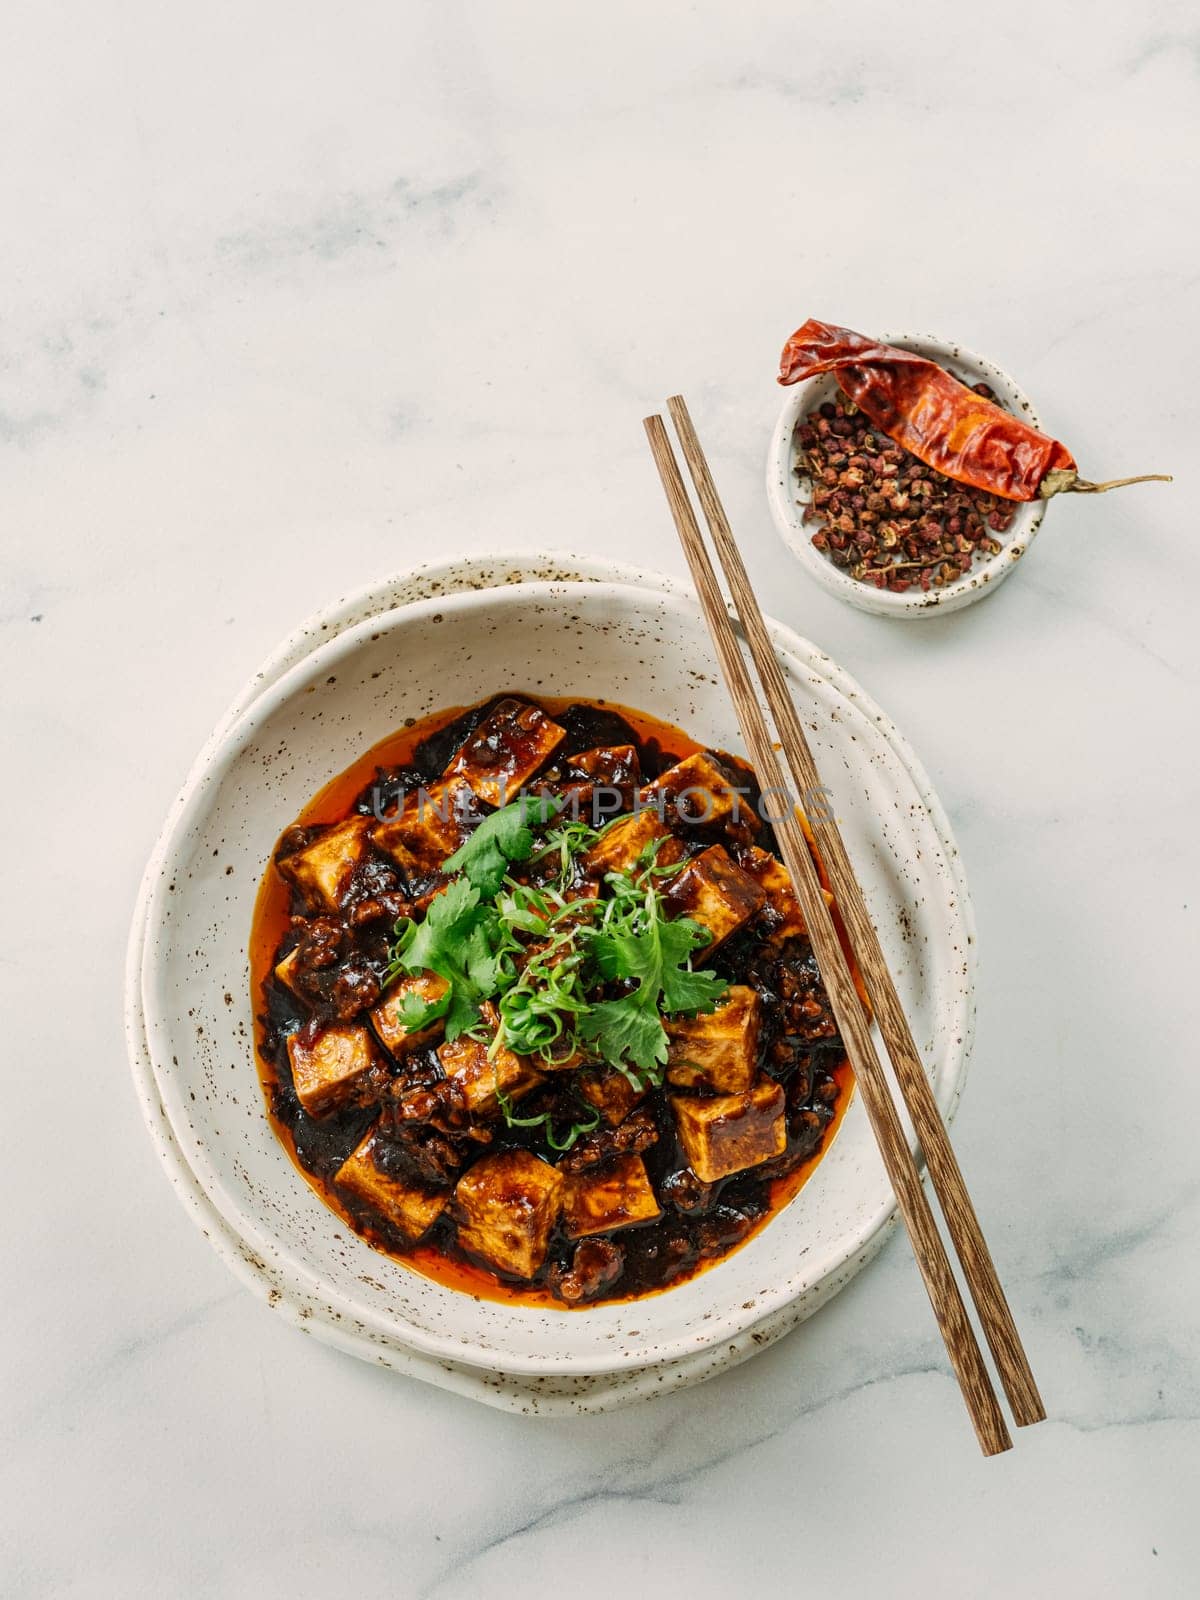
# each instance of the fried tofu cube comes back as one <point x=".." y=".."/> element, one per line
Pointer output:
<point x="322" y="870"/>
<point x="717" y="1051"/>
<point x="617" y="764"/>
<point x="411" y="1208"/>
<point x="715" y="892"/>
<point x="433" y="822"/>
<point x="328" y="1068"/>
<point x="697" y="789"/>
<point x="727" y="1133"/>
<point x="385" y="1017"/>
<point x="620" y="846"/>
<point x="610" y="1091"/>
<point x="512" y="742"/>
<point x="285" y="970"/>
<point x="596" y="784"/>
<point x="782" y="909"/>
<point x="507" y="1204"/>
<point x="465" y="1061"/>
<point x="617" y="1195"/>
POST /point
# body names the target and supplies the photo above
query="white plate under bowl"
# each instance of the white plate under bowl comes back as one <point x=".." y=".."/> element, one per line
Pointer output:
<point x="788" y="495"/>
<point x="653" y="652"/>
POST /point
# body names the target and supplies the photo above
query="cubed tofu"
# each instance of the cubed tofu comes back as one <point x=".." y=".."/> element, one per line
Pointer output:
<point x="717" y="1051"/>
<point x="507" y="1204"/>
<point x="285" y="970"/>
<point x="322" y="870"/>
<point x="727" y="1133"/>
<point x="617" y="764"/>
<point x="512" y="742"/>
<point x="465" y="1061"/>
<point x="385" y="1018"/>
<point x="782" y="911"/>
<point x="411" y="1208"/>
<point x="596" y="784"/>
<point x="433" y="822"/>
<point x="610" y="1091"/>
<point x="620" y="846"/>
<point x="714" y="891"/>
<point x="330" y="1067"/>
<point x="617" y="1195"/>
<point x="698" y="789"/>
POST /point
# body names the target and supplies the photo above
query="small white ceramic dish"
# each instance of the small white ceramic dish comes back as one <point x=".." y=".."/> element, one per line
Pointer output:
<point x="788" y="494"/>
<point x="195" y="957"/>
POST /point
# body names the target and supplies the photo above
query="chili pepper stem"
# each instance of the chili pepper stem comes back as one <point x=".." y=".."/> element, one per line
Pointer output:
<point x="1068" y="481"/>
<point x="1084" y="487"/>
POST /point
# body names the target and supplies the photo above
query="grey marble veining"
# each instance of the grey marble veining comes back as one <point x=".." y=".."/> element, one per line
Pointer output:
<point x="295" y="297"/>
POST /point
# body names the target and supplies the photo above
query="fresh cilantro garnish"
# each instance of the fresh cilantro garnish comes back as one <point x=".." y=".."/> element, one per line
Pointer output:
<point x="416" y="1013"/>
<point x="638" y="943"/>
<point x="455" y="941"/>
<point x="507" y="835"/>
<point x="630" y="1036"/>
<point x="546" y="958"/>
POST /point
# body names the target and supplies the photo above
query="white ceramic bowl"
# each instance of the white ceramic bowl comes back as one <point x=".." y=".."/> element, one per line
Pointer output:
<point x="789" y="495"/>
<point x="648" y="649"/>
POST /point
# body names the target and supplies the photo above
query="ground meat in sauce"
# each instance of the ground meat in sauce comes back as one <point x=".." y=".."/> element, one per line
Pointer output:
<point x="422" y="1133"/>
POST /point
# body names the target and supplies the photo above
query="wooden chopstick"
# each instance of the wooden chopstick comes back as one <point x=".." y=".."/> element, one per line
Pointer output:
<point x="932" y="1260"/>
<point x="945" y="1174"/>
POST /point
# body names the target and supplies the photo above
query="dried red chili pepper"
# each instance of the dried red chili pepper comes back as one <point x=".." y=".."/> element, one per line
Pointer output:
<point x="943" y="423"/>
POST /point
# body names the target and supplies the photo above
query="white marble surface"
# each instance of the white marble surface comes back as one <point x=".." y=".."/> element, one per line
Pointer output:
<point x="294" y="295"/>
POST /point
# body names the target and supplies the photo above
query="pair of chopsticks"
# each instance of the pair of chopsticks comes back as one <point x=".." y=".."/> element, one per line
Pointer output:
<point x="947" y="1179"/>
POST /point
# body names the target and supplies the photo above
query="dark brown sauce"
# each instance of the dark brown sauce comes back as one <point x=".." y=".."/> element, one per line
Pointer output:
<point x="658" y="1255"/>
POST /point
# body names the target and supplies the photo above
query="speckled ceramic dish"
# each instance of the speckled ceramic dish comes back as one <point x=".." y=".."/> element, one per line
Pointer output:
<point x="547" y="1394"/>
<point x="302" y="729"/>
<point x="544" y="1395"/>
<point x="789" y="495"/>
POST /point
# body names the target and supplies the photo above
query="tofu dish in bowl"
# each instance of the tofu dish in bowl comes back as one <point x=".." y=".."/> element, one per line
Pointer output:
<point x="537" y="1013"/>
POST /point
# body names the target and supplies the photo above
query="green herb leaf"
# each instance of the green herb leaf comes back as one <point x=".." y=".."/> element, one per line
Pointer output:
<point x="454" y="942"/>
<point x="639" y="944"/>
<point x="686" y="991"/>
<point x="683" y="989"/>
<point x="507" y="835"/>
<point x="627" y="1033"/>
<point x="477" y="938"/>
<point x="415" y="1013"/>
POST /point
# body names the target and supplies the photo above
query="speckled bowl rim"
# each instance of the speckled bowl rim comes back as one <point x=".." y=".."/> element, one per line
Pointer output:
<point x="983" y="578"/>
<point x="953" y="1075"/>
